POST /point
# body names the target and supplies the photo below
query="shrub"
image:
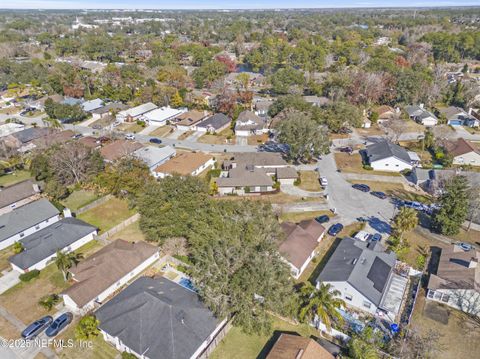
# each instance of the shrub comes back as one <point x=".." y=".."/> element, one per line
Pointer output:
<point x="126" y="355"/>
<point x="367" y="167"/>
<point x="87" y="328"/>
<point x="49" y="301"/>
<point x="297" y="182"/>
<point x="18" y="247"/>
<point x="213" y="174"/>
<point x="26" y="277"/>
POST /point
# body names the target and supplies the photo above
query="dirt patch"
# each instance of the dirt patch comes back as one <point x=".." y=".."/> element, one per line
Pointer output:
<point x="8" y="330"/>
<point x="309" y="181"/>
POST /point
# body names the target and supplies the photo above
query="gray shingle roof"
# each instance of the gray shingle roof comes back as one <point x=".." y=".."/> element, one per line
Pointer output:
<point x="25" y="217"/>
<point x="17" y="192"/>
<point x="30" y="134"/>
<point x="216" y="121"/>
<point x="365" y="266"/>
<point x="158" y="318"/>
<point x="385" y="149"/>
<point x="47" y="241"/>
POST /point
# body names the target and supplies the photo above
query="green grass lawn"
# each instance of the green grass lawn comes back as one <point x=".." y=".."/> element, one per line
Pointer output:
<point x="239" y="345"/>
<point x="17" y="176"/>
<point x="108" y="214"/>
<point x="300" y="216"/>
<point x="309" y="181"/>
<point x="79" y="199"/>
<point x="131" y="233"/>
<point x="4" y="255"/>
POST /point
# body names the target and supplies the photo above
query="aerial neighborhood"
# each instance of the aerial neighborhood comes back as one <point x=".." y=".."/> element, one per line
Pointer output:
<point x="235" y="184"/>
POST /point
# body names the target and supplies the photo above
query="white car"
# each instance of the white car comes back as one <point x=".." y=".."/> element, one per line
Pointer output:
<point x="116" y="123"/>
<point x="130" y="136"/>
<point x="323" y="181"/>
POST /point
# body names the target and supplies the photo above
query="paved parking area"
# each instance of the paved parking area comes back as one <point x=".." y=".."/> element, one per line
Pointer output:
<point x="8" y="280"/>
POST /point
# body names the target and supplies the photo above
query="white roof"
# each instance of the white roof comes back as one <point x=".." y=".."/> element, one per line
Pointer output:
<point x="362" y="235"/>
<point x="139" y="110"/>
<point x="413" y="156"/>
<point x="154" y="155"/>
<point x="162" y="114"/>
<point x="9" y="128"/>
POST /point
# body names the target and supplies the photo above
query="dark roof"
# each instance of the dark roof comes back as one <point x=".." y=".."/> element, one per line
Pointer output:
<point x="289" y="346"/>
<point x="245" y="176"/>
<point x="216" y="121"/>
<point x="47" y="241"/>
<point x="115" y="106"/>
<point x="30" y="134"/>
<point x="25" y="217"/>
<point x="365" y="266"/>
<point x="258" y="159"/>
<point x="17" y="192"/>
<point x="384" y="149"/>
<point x="158" y="318"/>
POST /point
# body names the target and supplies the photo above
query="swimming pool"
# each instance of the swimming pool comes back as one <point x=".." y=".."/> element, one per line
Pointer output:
<point x="187" y="283"/>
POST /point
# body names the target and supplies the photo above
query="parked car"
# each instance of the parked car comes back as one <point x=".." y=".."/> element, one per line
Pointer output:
<point x="97" y="127"/>
<point x="58" y="324"/>
<point x="335" y="229"/>
<point x="465" y="246"/>
<point x="347" y="149"/>
<point x="155" y="140"/>
<point x="102" y="140"/>
<point x="36" y="327"/>
<point x="412" y="204"/>
<point x="361" y="187"/>
<point x="130" y="136"/>
<point x="377" y="194"/>
<point x="77" y="136"/>
<point x="322" y="219"/>
<point x="344" y="130"/>
<point x="324" y="181"/>
<point x="376" y="237"/>
<point x="116" y="123"/>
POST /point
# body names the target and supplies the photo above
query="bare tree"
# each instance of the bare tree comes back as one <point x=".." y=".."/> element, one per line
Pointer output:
<point x="474" y="205"/>
<point x="414" y="345"/>
<point x="394" y="128"/>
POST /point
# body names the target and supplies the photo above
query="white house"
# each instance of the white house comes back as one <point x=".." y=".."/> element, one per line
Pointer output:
<point x="155" y="156"/>
<point x="363" y="273"/>
<point x="464" y="152"/>
<point x="300" y="244"/>
<point x="40" y="248"/>
<point x="386" y="156"/>
<point x="248" y="123"/>
<point x="421" y="115"/>
<point x="160" y="116"/>
<point x="105" y="272"/>
<point x="455" y="282"/>
<point x="134" y="113"/>
<point x="185" y="164"/>
<point x="26" y="220"/>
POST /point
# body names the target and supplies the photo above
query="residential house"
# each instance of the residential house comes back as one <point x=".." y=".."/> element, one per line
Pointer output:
<point x="456" y="281"/>
<point x="262" y="106"/>
<point x="202" y="98"/>
<point x="385" y="113"/>
<point x="162" y="115"/>
<point x="72" y="101"/>
<point x="365" y="277"/>
<point x="22" y="141"/>
<point x="421" y="115"/>
<point x="286" y="175"/>
<point x="255" y="79"/>
<point x="105" y="272"/>
<point x="214" y="124"/>
<point x="387" y="156"/>
<point x="300" y="244"/>
<point x="291" y="346"/>
<point x="432" y="181"/>
<point x="9" y="128"/>
<point x="248" y="123"/>
<point x="455" y="116"/>
<point x="117" y="149"/>
<point x="17" y="195"/>
<point x="157" y="318"/>
<point x="188" y="121"/>
<point x="244" y="180"/>
<point x="474" y="118"/>
<point x="108" y="109"/>
<point x="89" y="141"/>
<point x="25" y="220"/>
<point x="185" y="164"/>
<point x="317" y="101"/>
<point x="134" y="113"/>
<point x="267" y="160"/>
<point x="53" y="138"/>
<point x="464" y="152"/>
<point x="39" y="248"/>
<point x="155" y="156"/>
<point x="92" y="105"/>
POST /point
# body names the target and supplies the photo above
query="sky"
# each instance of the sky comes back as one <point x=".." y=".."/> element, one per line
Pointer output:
<point x="224" y="4"/>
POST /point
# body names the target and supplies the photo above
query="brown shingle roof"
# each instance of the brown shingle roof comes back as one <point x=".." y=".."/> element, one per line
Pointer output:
<point x="190" y="118"/>
<point x="117" y="149"/>
<point x="290" y="346"/>
<point x="54" y="138"/>
<point x="89" y="141"/>
<point x="301" y="241"/>
<point x="105" y="267"/>
<point x="286" y="173"/>
<point x="184" y="163"/>
<point x="461" y="147"/>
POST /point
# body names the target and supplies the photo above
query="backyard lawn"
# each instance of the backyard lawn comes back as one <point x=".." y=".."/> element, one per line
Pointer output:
<point x="108" y="214"/>
<point x="309" y="181"/>
<point x="239" y="345"/>
<point x="79" y="199"/>
<point x="17" y="176"/>
<point x="22" y="299"/>
<point x="131" y="233"/>
<point x="353" y="164"/>
<point x="277" y="198"/>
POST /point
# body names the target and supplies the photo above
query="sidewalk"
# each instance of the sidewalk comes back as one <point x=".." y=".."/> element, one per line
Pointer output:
<point x="298" y="192"/>
<point x="8" y="280"/>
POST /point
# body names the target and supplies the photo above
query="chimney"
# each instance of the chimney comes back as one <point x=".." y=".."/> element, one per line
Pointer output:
<point x="473" y="262"/>
<point x="67" y="213"/>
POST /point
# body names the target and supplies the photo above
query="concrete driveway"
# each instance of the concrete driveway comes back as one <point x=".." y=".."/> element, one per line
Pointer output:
<point x="195" y="136"/>
<point x="349" y="203"/>
<point x="8" y="280"/>
<point x="296" y="191"/>
<point x="176" y="134"/>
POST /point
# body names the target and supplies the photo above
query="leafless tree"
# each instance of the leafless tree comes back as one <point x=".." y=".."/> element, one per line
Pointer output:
<point x="175" y="246"/>
<point x="414" y="345"/>
<point x="474" y="205"/>
<point x="394" y="128"/>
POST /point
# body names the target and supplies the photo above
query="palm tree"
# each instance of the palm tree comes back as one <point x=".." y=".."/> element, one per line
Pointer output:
<point x="322" y="302"/>
<point x="64" y="261"/>
<point x="52" y="123"/>
<point x="405" y="221"/>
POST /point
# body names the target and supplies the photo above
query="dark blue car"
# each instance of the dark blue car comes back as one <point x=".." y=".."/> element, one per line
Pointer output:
<point x="377" y="194"/>
<point x="335" y="229"/>
<point x="58" y="324"/>
<point x="361" y="187"/>
<point x="322" y="219"/>
<point x="155" y="140"/>
<point x="36" y="327"/>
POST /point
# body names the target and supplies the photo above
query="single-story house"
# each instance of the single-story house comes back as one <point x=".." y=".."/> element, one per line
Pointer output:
<point x="17" y="195"/>
<point x="286" y="175"/>
<point x="262" y="106"/>
<point x="105" y="272"/>
<point x="214" y="124"/>
<point x="363" y="273"/>
<point x="134" y="113"/>
<point x="421" y="115"/>
<point x="157" y="318"/>
<point x="89" y="141"/>
<point x="26" y="220"/>
<point x="9" y="128"/>
<point x="188" y="121"/>
<point x="160" y="116"/>
<point x="317" y="101"/>
<point x="291" y="346"/>
<point x="456" y="280"/>
<point x="41" y="247"/>
<point x="464" y="152"/>
<point x="185" y="164"/>
<point x="155" y="156"/>
<point x="385" y="113"/>
<point x="474" y="118"/>
<point x="22" y="141"/>
<point x="107" y="110"/>
<point x="117" y="149"/>
<point x="248" y="123"/>
<point x="244" y="180"/>
<point x="53" y="138"/>
<point x="300" y="244"/>
<point x="387" y="156"/>
<point x="267" y="160"/>
<point x="72" y="101"/>
<point x="432" y="180"/>
<point x="455" y="116"/>
<point x="92" y="105"/>
<point x="202" y="98"/>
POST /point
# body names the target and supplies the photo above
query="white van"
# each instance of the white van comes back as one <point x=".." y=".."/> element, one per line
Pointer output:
<point x="323" y="181"/>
